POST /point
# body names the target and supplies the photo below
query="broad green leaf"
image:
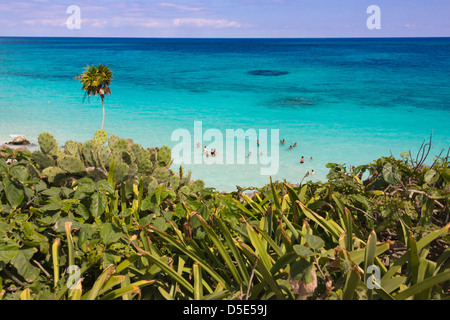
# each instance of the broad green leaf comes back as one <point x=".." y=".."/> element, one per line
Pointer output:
<point x="23" y="265"/>
<point x="430" y="176"/>
<point x="109" y="233"/>
<point x="390" y="174"/>
<point x="301" y="270"/>
<point x="161" y="224"/>
<point x="314" y="242"/>
<point x="19" y="172"/>
<point x="14" y="192"/>
<point x="98" y="204"/>
<point x="8" y="250"/>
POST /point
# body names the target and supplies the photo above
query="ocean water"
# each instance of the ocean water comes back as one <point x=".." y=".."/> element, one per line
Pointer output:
<point x="348" y="101"/>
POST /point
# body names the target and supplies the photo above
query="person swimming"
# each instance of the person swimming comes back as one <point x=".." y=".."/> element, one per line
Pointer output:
<point x="295" y="144"/>
<point x="302" y="160"/>
<point x="290" y="147"/>
<point x="283" y="141"/>
<point x="312" y="172"/>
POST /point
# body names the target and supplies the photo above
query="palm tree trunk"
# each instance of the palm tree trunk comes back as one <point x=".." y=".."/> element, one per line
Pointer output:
<point x="103" y="106"/>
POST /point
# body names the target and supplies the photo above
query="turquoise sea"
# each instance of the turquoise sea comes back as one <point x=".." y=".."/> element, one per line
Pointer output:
<point x="347" y="101"/>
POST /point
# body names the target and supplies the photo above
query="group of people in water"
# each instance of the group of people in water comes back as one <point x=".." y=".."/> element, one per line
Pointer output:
<point x="213" y="152"/>
<point x="302" y="160"/>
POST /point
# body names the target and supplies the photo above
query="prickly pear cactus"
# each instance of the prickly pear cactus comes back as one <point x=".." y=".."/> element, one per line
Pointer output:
<point x="197" y="186"/>
<point x="142" y="155"/>
<point x="127" y="158"/>
<point x="174" y="181"/>
<point x="53" y="174"/>
<point x="120" y="145"/>
<point x="42" y="159"/>
<point x="103" y="155"/>
<point x="145" y="167"/>
<point x="71" y="164"/>
<point x="135" y="149"/>
<point x="186" y="180"/>
<point x="72" y="148"/>
<point x="48" y="144"/>
<point x="164" y="156"/>
<point x="87" y="150"/>
<point x="153" y="184"/>
<point x="100" y="137"/>
<point x="161" y="174"/>
<point x="120" y="172"/>
<point x="112" y="140"/>
<point x="181" y="191"/>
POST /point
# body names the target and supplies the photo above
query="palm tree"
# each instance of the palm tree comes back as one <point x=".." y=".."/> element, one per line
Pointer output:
<point x="96" y="80"/>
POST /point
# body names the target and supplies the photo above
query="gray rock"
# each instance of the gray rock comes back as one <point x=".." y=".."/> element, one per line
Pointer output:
<point x="20" y="140"/>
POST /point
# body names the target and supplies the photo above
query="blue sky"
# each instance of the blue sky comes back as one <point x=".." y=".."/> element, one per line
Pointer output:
<point x="230" y="18"/>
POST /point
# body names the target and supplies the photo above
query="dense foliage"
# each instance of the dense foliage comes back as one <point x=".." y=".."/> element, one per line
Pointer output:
<point x="137" y="230"/>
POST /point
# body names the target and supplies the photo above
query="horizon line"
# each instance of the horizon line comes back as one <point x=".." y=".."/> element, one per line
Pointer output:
<point x="121" y="37"/>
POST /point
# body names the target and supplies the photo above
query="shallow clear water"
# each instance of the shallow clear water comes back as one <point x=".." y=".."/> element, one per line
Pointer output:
<point x="348" y="101"/>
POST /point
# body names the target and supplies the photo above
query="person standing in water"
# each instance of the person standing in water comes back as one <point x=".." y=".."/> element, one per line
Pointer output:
<point x="302" y="160"/>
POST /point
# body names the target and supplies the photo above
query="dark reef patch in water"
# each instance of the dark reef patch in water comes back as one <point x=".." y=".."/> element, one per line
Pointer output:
<point x="294" y="102"/>
<point x="267" y="73"/>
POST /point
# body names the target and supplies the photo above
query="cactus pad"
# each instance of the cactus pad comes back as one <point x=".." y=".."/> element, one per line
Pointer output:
<point x="42" y="159"/>
<point x="153" y="184"/>
<point x="121" y="172"/>
<point x="164" y="156"/>
<point x="71" y="164"/>
<point x="48" y="144"/>
<point x="120" y="145"/>
<point x="146" y="167"/>
<point x="72" y="148"/>
<point x="100" y="137"/>
<point x="174" y="181"/>
<point x="161" y="174"/>
<point x="112" y="140"/>
<point x="183" y="189"/>
<point x="87" y="150"/>
<point x="127" y="158"/>
<point x="197" y="186"/>
<point x="53" y="174"/>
